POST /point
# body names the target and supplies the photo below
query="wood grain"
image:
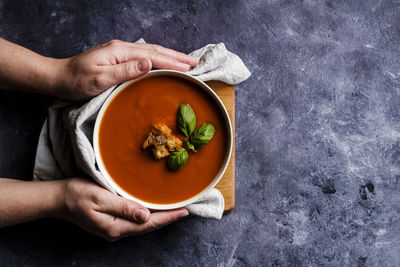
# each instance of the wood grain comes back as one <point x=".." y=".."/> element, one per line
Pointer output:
<point x="227" y="183"/>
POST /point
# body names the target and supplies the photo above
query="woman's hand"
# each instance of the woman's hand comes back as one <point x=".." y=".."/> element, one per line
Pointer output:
<point x="82" y="202"/>
<point x="102" y="213"/>
<point x="103" y="66"/>
<point x="85" y="75"/>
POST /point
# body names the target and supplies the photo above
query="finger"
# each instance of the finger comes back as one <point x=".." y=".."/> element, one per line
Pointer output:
<point x="126" y="71"/>
<point x="163" y="62"/>
<point x="158" y="49"/>
<point x="162" y="218"/>
<point x="112" y="227"/>
<point x="119" y="206"/>
<point x="125" y="53"/>
<point x="157" y="220"/>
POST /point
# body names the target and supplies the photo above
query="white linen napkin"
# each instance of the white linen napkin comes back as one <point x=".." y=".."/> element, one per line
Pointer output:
<point x="65" y="146"/>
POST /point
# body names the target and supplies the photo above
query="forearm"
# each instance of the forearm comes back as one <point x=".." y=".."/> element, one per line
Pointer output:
<point x="23" y="69"/>
<point x="22" y="201"/>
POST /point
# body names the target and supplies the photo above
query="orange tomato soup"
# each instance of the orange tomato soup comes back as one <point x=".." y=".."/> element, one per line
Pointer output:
<point x="126" y="123"/>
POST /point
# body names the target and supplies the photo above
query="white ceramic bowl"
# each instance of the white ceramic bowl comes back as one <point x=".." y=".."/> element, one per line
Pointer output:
<point x="193" y="199"/>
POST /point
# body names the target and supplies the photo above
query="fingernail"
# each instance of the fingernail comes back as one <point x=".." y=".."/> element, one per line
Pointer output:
<point x="141" y="215"/>
<point x="143" y="65"/>
<point x="184" y="214"/>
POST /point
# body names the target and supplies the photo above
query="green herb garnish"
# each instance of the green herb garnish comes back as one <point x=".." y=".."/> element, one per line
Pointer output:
<point x="188" y="145"/>
<point x="196" y="138"/>
<point x="186" y="120"/>
<point x="202" y="135"/>
<point x="177" y="159"/>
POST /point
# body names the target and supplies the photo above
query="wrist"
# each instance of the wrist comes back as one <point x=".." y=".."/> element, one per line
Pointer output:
<point x="56" y="76"/>
<point x="56" y="202"/>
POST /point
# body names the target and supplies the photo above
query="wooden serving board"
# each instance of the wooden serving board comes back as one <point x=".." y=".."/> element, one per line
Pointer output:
<point x="227" y="183"/>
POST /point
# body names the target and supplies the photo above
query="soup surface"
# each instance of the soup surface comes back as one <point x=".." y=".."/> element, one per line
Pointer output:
<point x="126" y="123"/>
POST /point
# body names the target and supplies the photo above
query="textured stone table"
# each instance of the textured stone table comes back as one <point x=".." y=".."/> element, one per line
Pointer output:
<point x="317" y="131"/>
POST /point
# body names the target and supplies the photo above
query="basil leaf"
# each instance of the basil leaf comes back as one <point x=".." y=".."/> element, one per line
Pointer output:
<point x="188" y="145"/>
<point x="186" y="120"/>
<point x="177" y="159"/>
<point x="202" y="135"/>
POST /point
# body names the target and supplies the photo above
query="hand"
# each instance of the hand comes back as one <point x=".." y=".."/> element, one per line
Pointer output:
<point x="103" y="66"/>
<point x="102" y="213"/>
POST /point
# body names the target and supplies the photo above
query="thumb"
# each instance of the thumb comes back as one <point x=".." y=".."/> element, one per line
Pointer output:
<point x="128" y="70"/>
<point x="124" y="208"/>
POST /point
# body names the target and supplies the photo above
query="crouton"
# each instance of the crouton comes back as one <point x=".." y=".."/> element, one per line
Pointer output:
<point x="162" y="141"/>
<point x="160" y="152"/>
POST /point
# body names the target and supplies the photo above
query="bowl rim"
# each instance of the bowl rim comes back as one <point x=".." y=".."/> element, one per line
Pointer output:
<point x="109" y="178"/>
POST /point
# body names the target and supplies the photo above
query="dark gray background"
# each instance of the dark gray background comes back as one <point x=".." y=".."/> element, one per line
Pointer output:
<point x="317" y="131"/>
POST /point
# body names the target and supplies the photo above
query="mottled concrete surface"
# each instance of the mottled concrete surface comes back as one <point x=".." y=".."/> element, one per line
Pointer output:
<point x="317" y="139"/>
